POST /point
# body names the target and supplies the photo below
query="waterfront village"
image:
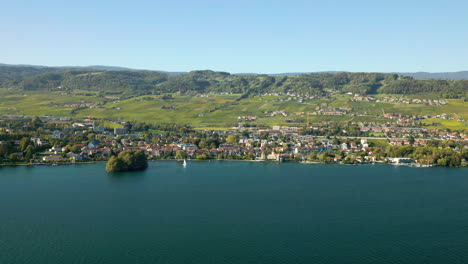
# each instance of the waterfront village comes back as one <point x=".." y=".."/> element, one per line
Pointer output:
<point x="52" y="140"/>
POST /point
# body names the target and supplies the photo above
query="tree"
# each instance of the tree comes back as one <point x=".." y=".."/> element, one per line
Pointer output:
<point x="232" y="139"/>
<point x="24" y="143"/>
<point x="36" y="122"/>
<point x="326" y="156"/>
<point x="249" y="156"/>
<point x="4" y="149"/>
<point x="202" y="156"/>
<point x="313" y="155"/>
<point x="442" y="162"/>
<point x="180" y="154"/>
<point x="13" y="157"/>
<point x="114" y="164"/>
<point x="75" y="149"/>
<point x="29" y="153"/>
<point x="91" y="136"/>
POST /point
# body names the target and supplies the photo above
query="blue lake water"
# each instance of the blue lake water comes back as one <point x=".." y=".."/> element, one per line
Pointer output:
<point x="234" y="212"/>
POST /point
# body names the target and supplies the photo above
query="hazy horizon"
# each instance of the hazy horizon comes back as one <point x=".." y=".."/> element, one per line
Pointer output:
<point x="216" y="70"/>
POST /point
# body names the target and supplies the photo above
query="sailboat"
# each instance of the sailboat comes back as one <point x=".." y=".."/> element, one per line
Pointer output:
<point x="184" y="164"/>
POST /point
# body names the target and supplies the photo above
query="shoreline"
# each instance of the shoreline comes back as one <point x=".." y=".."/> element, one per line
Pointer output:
<point x="50" y="163"/>
<point x="411" y="165"/>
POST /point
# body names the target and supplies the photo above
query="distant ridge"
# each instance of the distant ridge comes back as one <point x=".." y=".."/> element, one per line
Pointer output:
<point x="460" y="75"/>
<point x="130" y="83"/>
<point x="94" y="67"/>
<point x="288" y="73"/>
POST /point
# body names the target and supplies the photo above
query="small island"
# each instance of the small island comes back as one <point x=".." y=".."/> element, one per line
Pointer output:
<point x="127" y="161"/>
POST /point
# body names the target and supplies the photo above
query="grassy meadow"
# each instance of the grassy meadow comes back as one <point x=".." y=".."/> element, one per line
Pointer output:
<point x="444" y="123"/>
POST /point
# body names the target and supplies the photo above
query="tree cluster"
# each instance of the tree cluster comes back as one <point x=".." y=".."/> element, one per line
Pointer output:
<point x="127" y="161"/>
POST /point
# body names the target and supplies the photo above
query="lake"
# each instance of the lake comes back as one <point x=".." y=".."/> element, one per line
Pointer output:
<point x="233" y="212"/>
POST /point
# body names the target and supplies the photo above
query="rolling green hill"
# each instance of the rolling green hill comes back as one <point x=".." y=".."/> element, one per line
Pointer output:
<point x="128" y="84"/>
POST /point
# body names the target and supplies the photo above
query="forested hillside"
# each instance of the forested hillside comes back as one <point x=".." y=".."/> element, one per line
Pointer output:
<point x="131" y="83"/>
<point x="461" y="75"/>
<point x="10" y="76"/>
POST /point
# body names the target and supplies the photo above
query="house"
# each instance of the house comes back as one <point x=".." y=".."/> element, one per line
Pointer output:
<point x="120" y="131"/>
<point x="106" y="152"/>
<point x="420" y="142"/>
<point x="98" y="129"/>
<point x="364" y="143"/>
<point x="153" y="151"/>
<point x="273" y="156"/>
<point x="40" y="141"/>
<point x="135" y="136"/>
<point x="399" y="160"/>
<point x="325" y="148"/>
<point x="57" y="134"/>
<point x="79" y="125"/>
<point x="52" y="158"/>
<point x="188" y="147"/>
<point x="94" y="144"/>
<point x="337" y="158"/>
<point x="296" y="150"/>
<point x="75" y="157"/>
<point x="396" y="142"/>
<point x="55" y="149"/>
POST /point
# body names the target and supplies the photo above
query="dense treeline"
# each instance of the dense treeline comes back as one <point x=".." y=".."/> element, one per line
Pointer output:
<point x="431" y="155"/>
<point x="408" y="85"/>
<point x="151" y="82"/>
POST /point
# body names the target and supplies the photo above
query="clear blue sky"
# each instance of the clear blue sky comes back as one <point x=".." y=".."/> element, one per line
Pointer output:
<point x="238" y="36"/>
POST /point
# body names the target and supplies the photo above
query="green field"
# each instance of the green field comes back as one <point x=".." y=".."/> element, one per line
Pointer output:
<point x="443" y="123"/>
<point x="378" y="142"/>
<point x="220" y="111"/>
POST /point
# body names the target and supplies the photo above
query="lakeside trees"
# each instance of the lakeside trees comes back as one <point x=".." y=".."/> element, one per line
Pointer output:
<point x="127" y="161"/>
<point x="430" y="155"/>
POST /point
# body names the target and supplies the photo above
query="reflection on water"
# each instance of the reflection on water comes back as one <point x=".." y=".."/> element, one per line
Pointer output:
<point x="125" y="176"/>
